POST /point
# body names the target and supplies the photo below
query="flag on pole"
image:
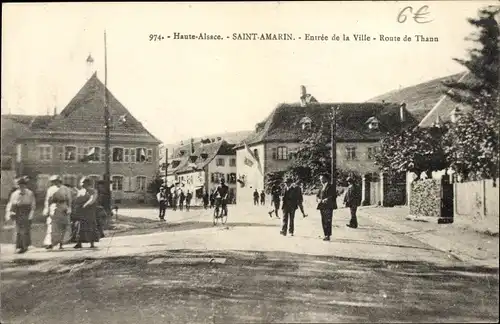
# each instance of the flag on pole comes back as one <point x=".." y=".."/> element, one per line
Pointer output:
<point x="90" y="156"/>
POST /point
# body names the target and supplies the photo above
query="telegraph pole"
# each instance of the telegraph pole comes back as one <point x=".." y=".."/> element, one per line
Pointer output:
<point x="333" y="171"/>
<point x="107" y="171"/>
<point x="166" y="166"/>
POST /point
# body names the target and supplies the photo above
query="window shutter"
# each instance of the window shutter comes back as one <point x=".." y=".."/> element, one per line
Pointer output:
<point x="274" y="153"/>
<point x="126" y="183"/>
<point x="133" y="184"/>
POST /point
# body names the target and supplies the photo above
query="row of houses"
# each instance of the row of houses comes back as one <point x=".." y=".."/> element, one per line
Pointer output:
<point x="71" y="143"/>
<point x="272" y="145"/>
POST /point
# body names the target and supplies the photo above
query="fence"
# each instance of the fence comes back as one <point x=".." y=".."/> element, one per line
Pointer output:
<point x="477" y="200"/>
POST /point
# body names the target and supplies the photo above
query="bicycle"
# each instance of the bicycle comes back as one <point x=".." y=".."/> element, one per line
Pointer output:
<point x="220" y="212"/>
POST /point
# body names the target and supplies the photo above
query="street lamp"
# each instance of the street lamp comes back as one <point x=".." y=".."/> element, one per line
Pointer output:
<point x="333" y="171"/>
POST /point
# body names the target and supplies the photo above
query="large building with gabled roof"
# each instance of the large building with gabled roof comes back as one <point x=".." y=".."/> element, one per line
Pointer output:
<point x="360" y="126"/>
<point x="71" y="144"/>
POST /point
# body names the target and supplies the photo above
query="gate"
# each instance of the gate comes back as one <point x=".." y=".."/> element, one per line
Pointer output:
<point x="446" y="199"/>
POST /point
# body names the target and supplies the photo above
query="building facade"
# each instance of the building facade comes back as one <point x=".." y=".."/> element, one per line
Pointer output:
<point x="360" y="126"/>
<point x="199" y="168"/>
<point x="71" y="144"/>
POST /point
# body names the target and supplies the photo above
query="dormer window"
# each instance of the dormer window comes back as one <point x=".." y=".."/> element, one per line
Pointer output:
<point x="455" y="115"/>
<point x="372" y="123"/>
<point x="305" y="123"/>
<point x="193" y="158"/>
<point x="182" y="152"/>
<point x="204" y="155"/>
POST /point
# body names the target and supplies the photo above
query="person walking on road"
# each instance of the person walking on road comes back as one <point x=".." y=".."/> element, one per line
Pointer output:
<point x="57" y="209"/>
<point x="182" y="198"/>
<point x="290" y="204"/>
<point x="21" y="208"/>
<point x="162" y="200"/>
<point x="301" y="200"/>
<point x="205" y="200"/>
<point x="326" y="204"/>
<point x="352" y="200"/>
<point x="85" y="215"/>
<point x="189" y="196"/>
<point x="262" y="198"/>
<point x="275" y="200"/>
<point x="256" y="197"/>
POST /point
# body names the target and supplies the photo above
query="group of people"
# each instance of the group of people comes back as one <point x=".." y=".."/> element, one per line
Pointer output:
<point x="290" y="195"/>
<point x="80" y="209"/>
<point x="176" y="197"/>
<point x="256" y="196"/>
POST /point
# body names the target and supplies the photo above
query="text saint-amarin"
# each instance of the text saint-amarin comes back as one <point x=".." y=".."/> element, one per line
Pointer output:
<point x="422" y="38"/>
<point x="263" y="36"/>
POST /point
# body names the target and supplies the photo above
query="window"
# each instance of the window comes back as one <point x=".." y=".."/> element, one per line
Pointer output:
<point x="117" y="183"/>
<point x="140" y="154"/>
<point x="216" y="176"/>
<point x="42" y="182"/>
<point x="44" y="153"/>
<point x="117" y="154"/>
<point x="70" y="179"/>
<point x="232" y="162"/>
<point x="133" y="155"/>
<point x="219" y="162"/>
<point x="231" y="178"/>
<point x="350" y="153"/>
<point x="126" y="155"/>
<point x="140" y="183"/>
<point x="70" y="153"/>
<point x="82" y="153"/>
<point x="282" y="153"/>
<point x="292" y="154"/>
<point x="94" y="154"/>
<point x="60" y="153"/>
<point x="372" y="151"/>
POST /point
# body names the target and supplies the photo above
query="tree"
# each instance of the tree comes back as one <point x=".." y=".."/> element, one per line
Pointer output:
<point x="472" y="143"/>
<point x="414" y="150"/>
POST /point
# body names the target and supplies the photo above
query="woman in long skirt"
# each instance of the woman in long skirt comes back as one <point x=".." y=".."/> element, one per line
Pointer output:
<point x="21" y="207"/>
<point x="57" y="210"/>
<point x="84" y="214"/>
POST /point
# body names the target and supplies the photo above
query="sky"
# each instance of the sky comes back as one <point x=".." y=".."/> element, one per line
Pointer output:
<point x="184" y="88"/>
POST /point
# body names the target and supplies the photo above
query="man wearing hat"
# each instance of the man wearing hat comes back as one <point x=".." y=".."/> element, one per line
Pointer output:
<point x="326" y="204"/>
<point x="21" y="207"/>
<point x="162" y="200"/>
<point x="57" y="209"/>
<point x="291" y="200"/>
<point x="352" y="200"/>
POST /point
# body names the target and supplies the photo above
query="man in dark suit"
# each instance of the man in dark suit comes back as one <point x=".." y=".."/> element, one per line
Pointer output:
<point x="326" y="204"/>
<point x="291" y="199"/>
<point x="352" y="200"/>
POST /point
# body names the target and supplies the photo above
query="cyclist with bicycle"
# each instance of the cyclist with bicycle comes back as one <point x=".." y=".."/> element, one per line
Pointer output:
<point x="221" y="194"/>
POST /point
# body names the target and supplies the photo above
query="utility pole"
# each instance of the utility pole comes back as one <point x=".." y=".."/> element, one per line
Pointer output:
<point x="166" y="166"/>
<point x="333" y="171"/>
<point x="107" y="177"/>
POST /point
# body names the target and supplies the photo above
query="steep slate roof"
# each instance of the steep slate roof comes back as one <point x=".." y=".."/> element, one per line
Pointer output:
<point x="283" y="124"/>
<point x="85" y="113"/>
<point x="197" y="162"/>
<point x="420" y="99"/>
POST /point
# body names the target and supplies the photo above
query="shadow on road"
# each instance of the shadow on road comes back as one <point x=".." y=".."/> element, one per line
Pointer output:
<point x="252" y="287"/>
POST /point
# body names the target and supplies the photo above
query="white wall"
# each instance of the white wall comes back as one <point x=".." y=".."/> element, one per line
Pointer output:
<point x="253" y="178"/>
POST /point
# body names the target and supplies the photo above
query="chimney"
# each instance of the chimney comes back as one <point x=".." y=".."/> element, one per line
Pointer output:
<point x="192" y="145"/>
<point x="402" y="112"/>
<point x="55" y="110"/>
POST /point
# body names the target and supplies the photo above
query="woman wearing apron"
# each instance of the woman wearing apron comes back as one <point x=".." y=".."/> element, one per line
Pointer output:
<point x="21" y="207"/>
<point x="57" y="210"/>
